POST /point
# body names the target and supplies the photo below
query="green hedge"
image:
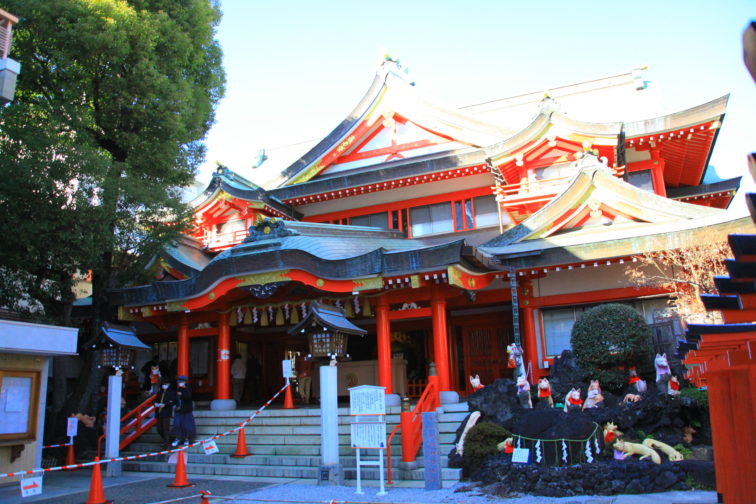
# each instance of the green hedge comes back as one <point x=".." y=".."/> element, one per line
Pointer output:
<point x="481" y="443"/>
<point x="609" y="338"/>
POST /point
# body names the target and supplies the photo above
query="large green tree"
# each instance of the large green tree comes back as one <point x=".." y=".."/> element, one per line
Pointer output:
<point x="112" y="104"/>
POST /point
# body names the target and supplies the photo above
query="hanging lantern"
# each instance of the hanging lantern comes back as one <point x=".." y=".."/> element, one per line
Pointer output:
<point x="279" y="317"/>
<point x="366" y="309"/>
<point x="348" y="310"/>
<point x="264" y="318"/>
<point x="294" y="318"/>
<point x="247" y="317"/>
<point x="232" y="318"/>
<point x="327" y="331"/>
<point x="118" y="345"/>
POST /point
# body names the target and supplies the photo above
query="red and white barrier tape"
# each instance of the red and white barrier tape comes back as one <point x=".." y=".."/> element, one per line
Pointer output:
<point x="56" y="445"/>
<point x="145" y="455"/>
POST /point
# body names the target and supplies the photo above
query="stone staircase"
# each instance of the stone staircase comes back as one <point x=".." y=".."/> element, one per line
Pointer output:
<point x="286" y="445"/>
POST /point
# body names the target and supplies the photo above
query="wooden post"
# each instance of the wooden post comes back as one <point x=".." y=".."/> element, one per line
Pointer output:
<point x="383" y="330"/>
<point x="530" y="345"/>
<point x="223" y="376"/>
<point x="183" y="346"/>
<point x="440" y="345"/>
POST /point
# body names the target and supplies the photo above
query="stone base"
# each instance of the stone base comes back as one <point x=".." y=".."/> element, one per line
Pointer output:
<point x="393" y="400"/>
<point x="222" y="404"/>
<point x="113" y="469"/>
<point x="329" y="475"/>
<point x="448" y="397"/>
<point x="409" y="466"/>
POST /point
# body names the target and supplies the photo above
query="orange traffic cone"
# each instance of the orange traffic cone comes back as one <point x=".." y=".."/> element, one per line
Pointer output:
<point x="70" y="456"/>
<point x="180" y="480"/>
<point x="241" y="445"/>
<point x="288" y="401"/>
<point x="96" y="493"/>
<point x="205" y="498"/>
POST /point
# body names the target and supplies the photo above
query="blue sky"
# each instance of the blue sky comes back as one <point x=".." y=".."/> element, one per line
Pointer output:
<point x="295" y="69"/>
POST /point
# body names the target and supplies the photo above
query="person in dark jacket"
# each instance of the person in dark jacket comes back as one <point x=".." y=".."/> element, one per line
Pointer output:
<point x="166" y="399"/>
<point x="184" y="429"/>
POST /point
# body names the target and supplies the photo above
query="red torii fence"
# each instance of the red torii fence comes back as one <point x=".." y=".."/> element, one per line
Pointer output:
<point x="723" y="359"/>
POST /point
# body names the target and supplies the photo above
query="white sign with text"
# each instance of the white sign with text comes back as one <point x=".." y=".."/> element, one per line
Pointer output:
<point x="521" y="456"/>
<point x="31" y="486"/>
<point x="72" y="427"/>
<point x="367" y="400"/>
<point x="210" y="447"/>
<point x="369" y="435"/>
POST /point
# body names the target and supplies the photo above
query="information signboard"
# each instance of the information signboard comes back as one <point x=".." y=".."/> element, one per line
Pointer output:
<point x="367" y="400"/>
<point x="369" y="435"/>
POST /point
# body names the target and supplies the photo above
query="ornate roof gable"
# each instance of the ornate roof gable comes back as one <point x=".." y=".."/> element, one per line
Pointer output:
<point x="392" y="121"/>
<point x="595" y="199"/>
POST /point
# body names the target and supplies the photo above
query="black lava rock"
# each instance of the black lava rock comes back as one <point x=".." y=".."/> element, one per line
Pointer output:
<point x="702" y="471"/>
<point x="600" y="478"/>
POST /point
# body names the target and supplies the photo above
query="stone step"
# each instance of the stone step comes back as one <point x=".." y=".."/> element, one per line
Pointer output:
<point x="291" y="472"/>
<point x="348" y="459"/>
<point x="286" y="444"/>
<point x="446" y="440"/>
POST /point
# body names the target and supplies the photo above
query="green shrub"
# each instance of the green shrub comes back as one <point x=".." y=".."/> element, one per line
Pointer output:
<point x="481" y="442"/>
<point x="685" y="452"/>
<point x="700" y="397"/>
<point x="607" y="340"/>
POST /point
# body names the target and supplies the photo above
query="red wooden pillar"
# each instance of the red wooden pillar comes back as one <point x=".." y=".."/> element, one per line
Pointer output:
<point x="223" y="376"/>
<point x="383" y="334"/>
<point x="530" y="342"/>
<point x="440" y="344"/>
<point x="183" y="346"/>
<point x="730" y="401"/>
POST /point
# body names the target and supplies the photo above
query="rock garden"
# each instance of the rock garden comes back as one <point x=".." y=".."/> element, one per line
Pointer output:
<point x="610" y="418"/>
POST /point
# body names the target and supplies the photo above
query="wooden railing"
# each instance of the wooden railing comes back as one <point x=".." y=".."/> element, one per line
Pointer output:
<point x="135" y="423"/>
<point x="537" y="189"/>
<point x="226" y="240"/>
<point x="411" y="424"/>
<point x="7" y="20"/>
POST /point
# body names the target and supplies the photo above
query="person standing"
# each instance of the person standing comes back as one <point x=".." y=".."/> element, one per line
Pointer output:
<point x="252" y="383"/>
<point x="166" y="399"/>
<point x="184" y="429"/>
<point x="304" y="375"/>
<point x="238" y="374"/>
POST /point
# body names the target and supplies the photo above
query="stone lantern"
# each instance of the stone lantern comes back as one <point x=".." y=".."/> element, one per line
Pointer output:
<point x="118" y="345"/>
<point x="327" y="330"/>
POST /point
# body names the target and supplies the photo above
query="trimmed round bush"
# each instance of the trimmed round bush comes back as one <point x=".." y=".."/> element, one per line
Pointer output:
<point x="609" y="338"/>
<point x="481" y="442"/>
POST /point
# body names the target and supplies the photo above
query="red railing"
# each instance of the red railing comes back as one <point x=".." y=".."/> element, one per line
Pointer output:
<point x="415" y="388"/>
<point x="136" y="422"/>
<point x="411" y="423"/>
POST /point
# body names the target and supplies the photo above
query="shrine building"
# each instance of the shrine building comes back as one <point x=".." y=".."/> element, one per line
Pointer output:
<point x="446" y="234"/>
